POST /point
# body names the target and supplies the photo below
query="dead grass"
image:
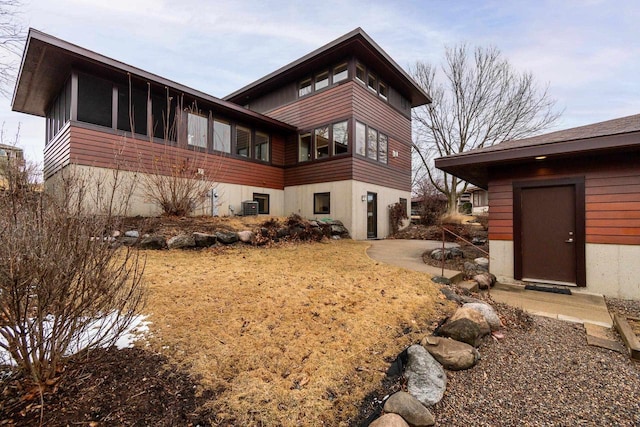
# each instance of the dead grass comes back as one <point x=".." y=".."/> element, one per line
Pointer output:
<point x="295" y="335"/>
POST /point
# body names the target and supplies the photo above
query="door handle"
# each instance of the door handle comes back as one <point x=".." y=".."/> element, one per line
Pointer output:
<point x="569" y="241"/>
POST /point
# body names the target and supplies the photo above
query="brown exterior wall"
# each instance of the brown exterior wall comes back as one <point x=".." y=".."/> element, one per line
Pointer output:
<point x="91" y="147"/>
<point x="612" y="190"/>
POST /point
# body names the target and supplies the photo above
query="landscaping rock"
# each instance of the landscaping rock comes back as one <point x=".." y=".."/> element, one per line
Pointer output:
<point x="437" y="254"/>
<point x="132" y="233"/>
<point x="227" y="237"/>
<point x="466" y="325"/>
<point x="152" y="242"/>
<point x="181" y="241"/>
<point x="128" y="241"/>
<point x="339" y="230"/>
<point x="245" y="236"/>
<point x="456" y="252"/>
<point x="488" y="312"/>
<point x="485" y="280"/>
<point x="453" y="355"/>
<point x="478" y="241"/>
<point x="389" y="420"/>
<point x="482" y="262"/>
<point x="204" y="240"/>
<point x="441" y="280"/>
<point x="410" y="409"/>
<point x="426" y="379"/>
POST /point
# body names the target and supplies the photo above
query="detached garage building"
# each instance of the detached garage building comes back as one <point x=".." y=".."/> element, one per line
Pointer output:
<point x="564" y="207"/>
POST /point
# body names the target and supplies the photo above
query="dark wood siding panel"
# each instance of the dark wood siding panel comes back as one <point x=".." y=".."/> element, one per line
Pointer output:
<point x="325" y="171"/>
<point x="57" y="152"/>
<point x="379" y="174"/>
<point x="319" y="108"/>
<point x="371" y="110"/>
<point x="282" y="96"/>
<point x="612" y="187"/>
<point x="277" y="150"/>
<point x="403" y="161"/>
<point x="93" y="148"/>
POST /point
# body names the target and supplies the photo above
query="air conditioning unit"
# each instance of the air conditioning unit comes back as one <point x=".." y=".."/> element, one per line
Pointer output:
<point x="249" y="207"/>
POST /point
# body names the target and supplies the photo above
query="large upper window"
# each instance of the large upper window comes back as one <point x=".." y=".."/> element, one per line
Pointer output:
<point x="221" y="136"/>
<point x="197" y="130"/>
<point x="243" y="141"/>
<point x="322" y="203"/>
<point x="383" y="141"/>
<point x="322" y="80"/>
<point x="163" y="113"/>
<point x="360" y="73"/>
<point x="341" y="72"/>
<point x="372" y="82"/>
<point x="372" y="144"/>
<point x="382" y="90"/>
<point x="95" y="100"/>
<point x="132" y="109"/>
<point x="305" y="87"/>
<point x="262" y="146"/>
<point x="341" y="137"/>
<point x="361" y="139"/>
<point x="304" y="147"/>
<point x="321" y="139"/>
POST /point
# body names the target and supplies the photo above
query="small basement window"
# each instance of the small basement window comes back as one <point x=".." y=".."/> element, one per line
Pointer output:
<point x="263" y="202"/>
<point x="322" y="203"/>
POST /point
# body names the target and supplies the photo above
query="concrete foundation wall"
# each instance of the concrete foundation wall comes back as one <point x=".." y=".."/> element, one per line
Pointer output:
<point x="612" y="270"/>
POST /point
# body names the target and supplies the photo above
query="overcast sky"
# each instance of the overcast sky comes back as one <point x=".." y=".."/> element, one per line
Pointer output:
<point x="588" y="51"/>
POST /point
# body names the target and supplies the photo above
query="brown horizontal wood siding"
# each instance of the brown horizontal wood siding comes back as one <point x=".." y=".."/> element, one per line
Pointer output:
<point x="107" y="150"/>
<point x="318" y="108"/>
<point x="373" y="111"/>
<point x="612" y="196"/>
<point x="377" y="173"/>
<point x="322" y="171"/>
<point x="57" y="152"/>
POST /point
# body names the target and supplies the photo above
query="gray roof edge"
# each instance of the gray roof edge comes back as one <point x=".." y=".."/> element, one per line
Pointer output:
<point x="119" y="65"/>
<point x="351" y="34"/>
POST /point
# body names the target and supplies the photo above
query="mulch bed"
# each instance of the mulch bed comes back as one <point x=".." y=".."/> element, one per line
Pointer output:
<point x="129" y="387"/>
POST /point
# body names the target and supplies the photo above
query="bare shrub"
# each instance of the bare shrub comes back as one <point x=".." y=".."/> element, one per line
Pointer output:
<point x="64" y="288"/>
<point x="397" y="213"/>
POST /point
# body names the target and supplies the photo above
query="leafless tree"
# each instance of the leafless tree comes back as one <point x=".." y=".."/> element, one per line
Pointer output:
<point x="64" y="287"/>
<point x="12" y="37"/>
<point x="478" y="100"/>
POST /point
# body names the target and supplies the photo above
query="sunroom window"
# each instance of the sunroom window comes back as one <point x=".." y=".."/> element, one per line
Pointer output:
<point x="372" y="144"/>
<point x="304" y="147"/>
<point x="340" y="137"/>
<point x="262" y="146"/>
<point x="197" y="130"/>
<point x="361" y="139"/>
<point x="322" y="142"/>
<point x="243" y="141"/>
<point x="221" y="136"/>
<point x="95" y="100"/>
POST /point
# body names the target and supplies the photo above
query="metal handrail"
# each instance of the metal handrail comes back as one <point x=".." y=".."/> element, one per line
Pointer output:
<point x="459" y="237"/>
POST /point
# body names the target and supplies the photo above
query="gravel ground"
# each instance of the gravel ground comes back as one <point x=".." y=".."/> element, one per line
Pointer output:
<point x="543" y="373"/>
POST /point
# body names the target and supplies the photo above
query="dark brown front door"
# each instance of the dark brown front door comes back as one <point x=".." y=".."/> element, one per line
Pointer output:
<point x="372" y="215"/>
<point x="548" y="230"/>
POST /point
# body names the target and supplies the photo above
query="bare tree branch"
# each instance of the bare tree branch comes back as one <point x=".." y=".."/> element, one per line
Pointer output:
<point x="478" y="100"/>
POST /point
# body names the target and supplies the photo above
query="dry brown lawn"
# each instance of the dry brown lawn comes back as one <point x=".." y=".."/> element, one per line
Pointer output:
<point x="293" y="335"/>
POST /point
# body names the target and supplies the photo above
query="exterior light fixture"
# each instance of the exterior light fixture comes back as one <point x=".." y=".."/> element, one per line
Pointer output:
<point x="541" y="157"/>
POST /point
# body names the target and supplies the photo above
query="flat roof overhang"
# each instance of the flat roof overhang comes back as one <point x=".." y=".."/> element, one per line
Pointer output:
<point x="473" y="166"/>
<point x="48" y="61"/>
<point x="355" y="43"/>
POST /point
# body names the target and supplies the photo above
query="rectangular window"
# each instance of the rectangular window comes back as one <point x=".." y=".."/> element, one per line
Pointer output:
<point x="382" y="90"/>
<point x="197" y="130"/>
<point x="360" y="73"/>
<point x="340" y="137"/>
<point x="304" y="148"/>
<point x="262" y="146"/>
<point x="321" y="140"/>
<point x="341" y="72"/>
<point x="305" y="88"/>
<point x="372" y="144"/>
<point x="243" y="141"/>
<point x="95" y="100"/>
<point x="361" y="139"/>
<point x="383" y="142"/>
<point x="322" y="80"/>
<point x="132" y="109"/>
<point x="322" y="203"/>
<point x="372" y="82"/>
<point x="221" y="136"/>
<point x="263" y="202"/>
<point x="163" y="115"/>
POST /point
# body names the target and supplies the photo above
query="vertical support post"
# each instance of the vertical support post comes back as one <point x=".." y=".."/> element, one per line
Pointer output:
<point x="442" y="253"/>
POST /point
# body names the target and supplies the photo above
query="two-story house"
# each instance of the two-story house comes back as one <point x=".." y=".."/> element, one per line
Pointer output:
<point x="327" y="136"/>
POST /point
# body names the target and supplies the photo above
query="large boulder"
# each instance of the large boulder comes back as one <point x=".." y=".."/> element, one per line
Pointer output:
<point x="152" y="242"/>
<point x="181" y="241"/>
<point x="466" y="325"/>
<point x="488" y="312"/>
<point x="410" y="409"/>
<point x="482" y="262"/>
<point x="453" y="355"/>
<point x="245" y="236"/>
<point x="426" y="379"/>
<point x="204" y="240"/>
<point x="438" y="254"/>
<point x="227" y="237"/>
<point x="389" y="420"/>
<point x="485" y="280"/>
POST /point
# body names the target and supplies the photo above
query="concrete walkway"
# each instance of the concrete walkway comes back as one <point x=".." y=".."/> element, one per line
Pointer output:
<point x="579" y="307"/>
<point x="408" y="254"/>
